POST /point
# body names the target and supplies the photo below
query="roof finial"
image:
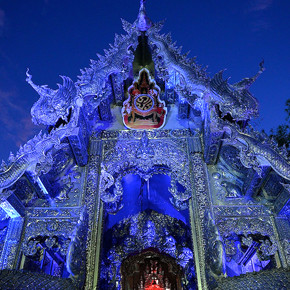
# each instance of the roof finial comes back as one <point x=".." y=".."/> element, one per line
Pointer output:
<point x="143" y="22"/>
<point x="142" y="5"/>
<point x="247" y="82"/>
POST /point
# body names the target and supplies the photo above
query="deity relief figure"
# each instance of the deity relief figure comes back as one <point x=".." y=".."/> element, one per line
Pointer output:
<point x="170" y="245"/>
<point x="113" y="270"/>
<point x="185" y="256"/>
<point x="145" y="150"/>
<point x="149" y="234"/>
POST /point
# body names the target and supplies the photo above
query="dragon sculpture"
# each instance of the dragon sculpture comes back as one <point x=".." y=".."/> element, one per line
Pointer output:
<point x="37" y="152"/>
<point x="64" y="104"/>
<point x="236" y="100"/>
<point x="255" y="153"/>
<point x="53" y="104"/>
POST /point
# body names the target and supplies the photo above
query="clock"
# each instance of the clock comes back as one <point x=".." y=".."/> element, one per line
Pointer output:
<point x="144" y="103"/>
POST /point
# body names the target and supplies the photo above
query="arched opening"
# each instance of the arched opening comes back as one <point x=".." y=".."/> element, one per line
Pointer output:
<point x="140" y="194"/>
<point x="145" y="201"/>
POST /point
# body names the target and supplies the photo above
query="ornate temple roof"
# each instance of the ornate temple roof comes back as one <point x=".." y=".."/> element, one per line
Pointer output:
<point x="222" y="105"/>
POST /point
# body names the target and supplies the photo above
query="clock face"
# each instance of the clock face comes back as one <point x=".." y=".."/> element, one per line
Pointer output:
<point x="144" y="103"/>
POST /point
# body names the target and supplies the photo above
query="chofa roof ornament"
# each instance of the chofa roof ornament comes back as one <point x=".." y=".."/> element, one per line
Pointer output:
<point x="245" y="83"/>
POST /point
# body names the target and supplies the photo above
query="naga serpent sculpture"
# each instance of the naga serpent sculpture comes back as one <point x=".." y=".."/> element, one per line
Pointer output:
<point x="51" y="106"/>
<point x="254" y="153"/>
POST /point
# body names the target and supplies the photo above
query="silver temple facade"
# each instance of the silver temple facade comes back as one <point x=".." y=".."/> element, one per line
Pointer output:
<point x="148" y="176"/>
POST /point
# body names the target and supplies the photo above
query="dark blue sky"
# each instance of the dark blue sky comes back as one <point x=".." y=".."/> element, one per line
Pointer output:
<point x="54" y="37"/>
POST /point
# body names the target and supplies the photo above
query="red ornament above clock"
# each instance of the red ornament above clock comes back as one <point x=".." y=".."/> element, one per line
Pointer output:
<point x="143" y="109"/>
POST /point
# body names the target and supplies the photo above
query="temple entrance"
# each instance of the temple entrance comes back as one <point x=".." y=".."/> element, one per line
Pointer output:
<point x="151" y="270"/>
<point x="146" y="251"/>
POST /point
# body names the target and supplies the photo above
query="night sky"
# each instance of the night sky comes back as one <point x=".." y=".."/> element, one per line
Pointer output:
<point x="59" y="37"/>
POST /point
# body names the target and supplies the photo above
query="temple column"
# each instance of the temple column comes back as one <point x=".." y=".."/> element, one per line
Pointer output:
<point x="197" y="208"/>
<point x="212" y="139"/>
<point x="14" y="208"/>
<point x="204" y="231"/>
<point x="282" y="234"/>
<point x="94" y="207"/>
<point x="79" y="141"/>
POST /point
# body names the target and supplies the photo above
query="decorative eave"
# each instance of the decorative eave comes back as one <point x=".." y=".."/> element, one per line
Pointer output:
<point x="118" y="59"/>
<point x="194" y="84"/>
<point x="167" y="56"/>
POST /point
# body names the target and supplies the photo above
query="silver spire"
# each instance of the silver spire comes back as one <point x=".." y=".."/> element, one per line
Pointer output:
<point x="143" y="21"/>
